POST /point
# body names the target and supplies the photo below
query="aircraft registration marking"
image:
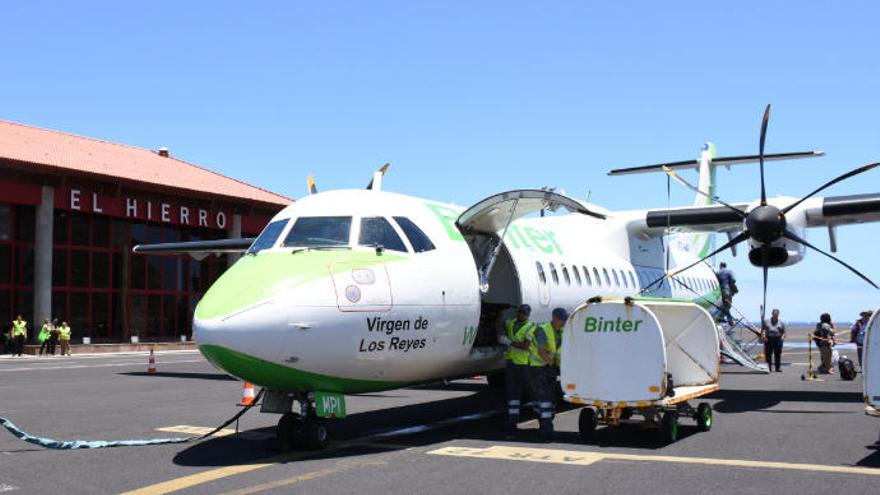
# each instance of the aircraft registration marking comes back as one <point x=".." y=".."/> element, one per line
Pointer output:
<point x="586" y="458"/>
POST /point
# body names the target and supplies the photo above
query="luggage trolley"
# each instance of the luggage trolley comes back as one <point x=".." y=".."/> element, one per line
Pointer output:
<point x="640" y="357"/>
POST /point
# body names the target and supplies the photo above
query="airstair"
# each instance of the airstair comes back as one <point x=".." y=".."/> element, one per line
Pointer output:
<point x="737" y="341"/>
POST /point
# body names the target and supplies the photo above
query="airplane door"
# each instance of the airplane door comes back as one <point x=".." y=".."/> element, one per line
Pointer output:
<point x="361" y="286"/>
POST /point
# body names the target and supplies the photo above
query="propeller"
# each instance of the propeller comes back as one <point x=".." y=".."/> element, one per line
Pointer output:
<point x="382" y="170"/>
<point x="765" y="223"/>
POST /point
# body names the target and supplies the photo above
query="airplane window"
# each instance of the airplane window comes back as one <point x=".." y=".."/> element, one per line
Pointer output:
<point x="632" y="280"/>
<point x="268" y="236"/>
<point x="577" y="275"/>
<point x="587" y="276"/>
<point x="419" y="240"/>
<point x="607" y="278"/>
<point x="623" y="279"/>
<point x="377" y="231"/>
<point x="541" y="274"/>
<point x="596" y="276"/>
<point x="565" y="275"/>
<point x="319" y="231"/>
<point x="554" y="274"/>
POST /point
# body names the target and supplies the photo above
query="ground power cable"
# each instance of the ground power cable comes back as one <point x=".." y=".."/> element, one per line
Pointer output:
<point x="50" y="443"/>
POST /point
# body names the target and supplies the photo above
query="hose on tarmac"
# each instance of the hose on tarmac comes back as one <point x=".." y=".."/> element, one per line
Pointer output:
<point x="49" y="443"/>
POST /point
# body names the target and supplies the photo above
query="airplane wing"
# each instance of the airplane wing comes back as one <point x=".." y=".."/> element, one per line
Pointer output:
<point x="829" y="211"/>
<point x="213" y="246"/>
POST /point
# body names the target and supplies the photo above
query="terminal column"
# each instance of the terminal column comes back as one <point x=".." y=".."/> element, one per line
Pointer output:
<point x="43" y="255"/>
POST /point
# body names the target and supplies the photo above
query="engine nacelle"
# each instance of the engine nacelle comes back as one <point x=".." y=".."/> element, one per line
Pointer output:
<point x="783" y="252"/>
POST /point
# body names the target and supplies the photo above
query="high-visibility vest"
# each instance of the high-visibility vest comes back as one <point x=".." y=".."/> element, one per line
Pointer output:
<point x="44" y="333"/>
<point x="19" y="327"/>
<point x="64" y="332"/>
<point x="517" y="334"/>
<point x="550" y="344"/>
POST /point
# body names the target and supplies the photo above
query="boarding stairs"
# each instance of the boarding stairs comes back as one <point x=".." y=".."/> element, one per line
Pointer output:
<point x="738" y="341"/>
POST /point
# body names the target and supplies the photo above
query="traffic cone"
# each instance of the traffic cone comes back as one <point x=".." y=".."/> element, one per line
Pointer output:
<point x="151" y="366"/>
<point x="247" y="394"/>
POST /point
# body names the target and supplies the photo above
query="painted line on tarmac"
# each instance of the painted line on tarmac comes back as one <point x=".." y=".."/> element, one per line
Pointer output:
<point x="305" y="477"/>
<point x="198" y="431"/>
<point x="84" y="366"/>
<point x="4" y="488"/>
<point x="203" y="477"/>
<point x="586" y="458"/>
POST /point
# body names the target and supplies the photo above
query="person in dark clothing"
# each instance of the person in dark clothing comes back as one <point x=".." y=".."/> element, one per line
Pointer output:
<point x="824" y="339"/>
<point x="773" y="335"/>
<point x="53" y="338"/>
<point x="727" y="283"/>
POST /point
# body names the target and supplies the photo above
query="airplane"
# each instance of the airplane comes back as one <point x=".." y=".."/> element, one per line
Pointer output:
<point x="356" y="291"/>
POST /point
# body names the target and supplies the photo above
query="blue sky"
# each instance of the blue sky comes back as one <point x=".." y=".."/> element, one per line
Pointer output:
<point x="470" y="98"/>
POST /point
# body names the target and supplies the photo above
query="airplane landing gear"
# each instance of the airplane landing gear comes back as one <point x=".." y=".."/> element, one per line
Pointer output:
<point x="305" y="429"/>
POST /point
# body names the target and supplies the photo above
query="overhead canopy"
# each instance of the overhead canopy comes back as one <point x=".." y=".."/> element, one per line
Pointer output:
<point x="493" y="214"/>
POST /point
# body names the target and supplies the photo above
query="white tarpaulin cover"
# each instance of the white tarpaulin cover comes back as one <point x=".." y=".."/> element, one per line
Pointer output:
<point x="613" y="351"/>
<point x="871" y="362"/>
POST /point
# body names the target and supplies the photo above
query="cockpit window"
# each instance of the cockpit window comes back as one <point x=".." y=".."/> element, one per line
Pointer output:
<point x="319" y="232"/>
<point x="268" y="236"/>
<point x="377" y="231"/>
<point x="419" y="240"/>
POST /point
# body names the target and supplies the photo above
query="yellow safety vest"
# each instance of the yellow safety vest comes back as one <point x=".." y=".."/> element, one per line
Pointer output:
<point x="64" y="332"/>
<point x="517" y="356"/>
<point x="550" y="345"/>
<point x="19" y="328"/>
<point x="44" y="333"/>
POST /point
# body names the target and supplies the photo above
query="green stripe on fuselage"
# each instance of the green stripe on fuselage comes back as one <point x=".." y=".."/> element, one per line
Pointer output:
<point x="278" y="377"/>
<point x="256" y="277"/>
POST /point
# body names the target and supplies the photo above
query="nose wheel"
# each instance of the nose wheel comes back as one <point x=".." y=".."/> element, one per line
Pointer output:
<point x="306" y="430"/>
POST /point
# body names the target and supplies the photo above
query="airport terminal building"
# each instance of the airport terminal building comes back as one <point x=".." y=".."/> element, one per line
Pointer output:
<point x="72" y="207"/>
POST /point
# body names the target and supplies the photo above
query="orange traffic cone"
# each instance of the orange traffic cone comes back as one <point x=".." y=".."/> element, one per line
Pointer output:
<point x="151" y="366"/>
<point x="247" y="394"/>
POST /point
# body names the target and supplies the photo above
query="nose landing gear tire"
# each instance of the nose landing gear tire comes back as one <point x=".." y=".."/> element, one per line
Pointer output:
<point x="315" y="434"/>
<point x="287" y="432"/>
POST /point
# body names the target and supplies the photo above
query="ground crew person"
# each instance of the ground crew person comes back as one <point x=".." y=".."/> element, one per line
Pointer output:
<point x="773" y="334"/>
<point x="64" y="338"/>
<point x="517" y="362"/>
<point x="43" y="336"/>
<point x="53" y="337"/>
<point x="19" y="335"/>
<point x="542" y="356"/>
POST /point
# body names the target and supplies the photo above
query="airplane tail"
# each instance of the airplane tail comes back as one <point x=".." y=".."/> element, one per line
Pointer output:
<point x="703" y="243"/>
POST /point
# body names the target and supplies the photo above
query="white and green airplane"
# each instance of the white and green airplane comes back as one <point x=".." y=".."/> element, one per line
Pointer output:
<point x="356" y="291"/>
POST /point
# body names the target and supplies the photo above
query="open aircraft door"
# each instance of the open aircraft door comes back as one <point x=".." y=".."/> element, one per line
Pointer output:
<point x="484" y="225"/>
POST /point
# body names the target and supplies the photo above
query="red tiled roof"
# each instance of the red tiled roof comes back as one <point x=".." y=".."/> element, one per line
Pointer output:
<point x="71" y="153"/>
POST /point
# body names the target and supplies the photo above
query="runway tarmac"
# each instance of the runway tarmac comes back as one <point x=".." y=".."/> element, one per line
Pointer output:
<point x="772" y="434"/>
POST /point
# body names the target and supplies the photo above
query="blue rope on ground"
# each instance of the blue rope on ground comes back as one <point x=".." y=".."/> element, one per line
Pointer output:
<point x="49" y="443"/>
<point x="85" y="444"/>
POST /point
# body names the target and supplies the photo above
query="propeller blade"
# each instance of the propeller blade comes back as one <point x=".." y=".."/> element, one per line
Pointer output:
<point x="761" y="153"/>
<point x="795" y="238"/>
<point x="383" y="169"/>
<point x="830" y="183"/>
<point x="694" y="188"/>
<point x="313" y="189"/>
<point x="736" y="240"/>
<point x="765" y="258"/>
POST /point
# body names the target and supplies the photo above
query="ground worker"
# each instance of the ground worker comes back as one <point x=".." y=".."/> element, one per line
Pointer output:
<point x="553" y="371"/>
<point x="773" y="335"/>
<point x="53" y="337"/>
<point x="43" y="336"/>
<point x="727" y="283"/>
<point x="542" y="355"/>
<point x="19" y="335"/>
<point x="64" y="338"/>
<point x="517" y="361"/>
<point x="824" y="338"/>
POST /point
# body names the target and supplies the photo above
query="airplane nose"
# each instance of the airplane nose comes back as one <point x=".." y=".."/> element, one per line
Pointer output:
<point x="257" y="331"/>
